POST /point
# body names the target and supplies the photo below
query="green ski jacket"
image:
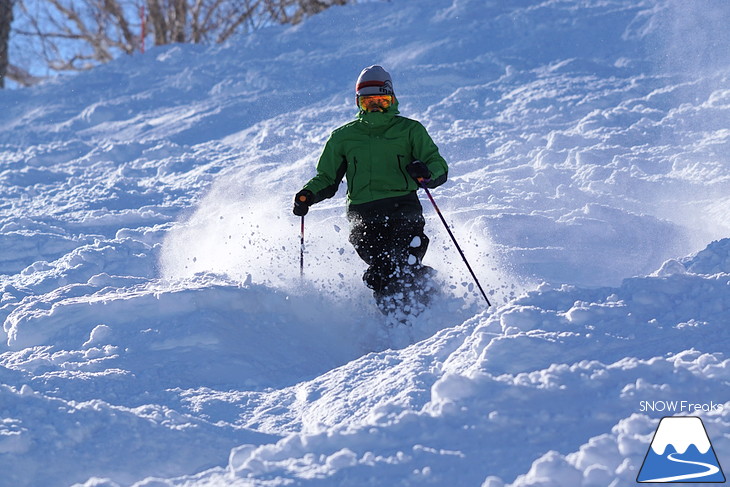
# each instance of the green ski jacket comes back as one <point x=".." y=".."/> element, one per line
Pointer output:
<point x="372" y="152"/>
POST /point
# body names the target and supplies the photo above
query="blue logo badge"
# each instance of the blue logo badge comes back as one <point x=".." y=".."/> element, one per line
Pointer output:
<point x="681" y="452"/>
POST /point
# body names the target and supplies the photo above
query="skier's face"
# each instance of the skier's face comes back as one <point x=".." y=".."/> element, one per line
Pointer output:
<point x="375" y="103"/>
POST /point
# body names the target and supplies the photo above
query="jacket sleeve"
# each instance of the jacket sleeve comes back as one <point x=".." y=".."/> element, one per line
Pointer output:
<point x="425" y="150"/>
<point x="331" y="168"/>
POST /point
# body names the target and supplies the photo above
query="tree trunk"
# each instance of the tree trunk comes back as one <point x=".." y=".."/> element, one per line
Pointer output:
<point x="179" y="14"/>
<point x="6" y="18"/>
<point x="159" y="24"/>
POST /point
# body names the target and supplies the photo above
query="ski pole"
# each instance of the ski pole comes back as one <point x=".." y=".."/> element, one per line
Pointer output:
<point x="463" y="257"/>
<point x="301" y="250"/>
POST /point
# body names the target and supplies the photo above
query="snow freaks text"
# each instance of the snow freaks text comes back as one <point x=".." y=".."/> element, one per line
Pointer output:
<point x="679" y="406"/>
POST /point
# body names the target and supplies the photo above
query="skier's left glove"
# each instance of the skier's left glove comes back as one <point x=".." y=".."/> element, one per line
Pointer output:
<point x="419" y="171"/>
<point x="302" y="201"/>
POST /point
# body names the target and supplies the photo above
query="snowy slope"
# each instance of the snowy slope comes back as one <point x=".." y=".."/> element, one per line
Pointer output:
<point x="155" y="329"/>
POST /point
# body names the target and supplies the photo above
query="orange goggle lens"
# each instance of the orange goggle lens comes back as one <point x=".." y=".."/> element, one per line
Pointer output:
<point x="372" y="103"/>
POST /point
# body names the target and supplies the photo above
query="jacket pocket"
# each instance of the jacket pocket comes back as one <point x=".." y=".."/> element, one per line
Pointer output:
<point x="351" y="175"/>
<point x="403" y="172"/>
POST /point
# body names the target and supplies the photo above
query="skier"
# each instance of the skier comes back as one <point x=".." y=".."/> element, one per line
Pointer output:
<point x="385" y="157"/>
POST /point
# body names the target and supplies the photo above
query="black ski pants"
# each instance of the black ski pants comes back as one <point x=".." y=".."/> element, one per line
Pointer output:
<point x="388" y="235"/>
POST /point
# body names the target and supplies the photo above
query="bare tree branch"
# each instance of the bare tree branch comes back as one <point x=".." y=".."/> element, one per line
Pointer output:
<point x="115" y="10"/>
<point x="21" y="76"/>
<point x="79" y="34"/>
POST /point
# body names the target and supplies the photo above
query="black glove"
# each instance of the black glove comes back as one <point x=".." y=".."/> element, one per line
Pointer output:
<point x="302" y="201"/>
<point x="419" y="171"/>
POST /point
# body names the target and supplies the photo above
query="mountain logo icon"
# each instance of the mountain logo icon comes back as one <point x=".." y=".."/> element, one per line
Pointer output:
<point x="681" y="452"/>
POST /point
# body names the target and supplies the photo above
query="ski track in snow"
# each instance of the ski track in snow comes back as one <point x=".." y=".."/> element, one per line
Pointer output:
<point x="155" y="329"/>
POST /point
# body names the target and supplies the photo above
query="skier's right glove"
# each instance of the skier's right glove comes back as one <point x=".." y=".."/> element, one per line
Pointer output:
<point x="419" y="171"/>
<point x="302" y="201"/>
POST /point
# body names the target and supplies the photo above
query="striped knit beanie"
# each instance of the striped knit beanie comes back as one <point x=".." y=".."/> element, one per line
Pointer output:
<point x="374" y="80"/>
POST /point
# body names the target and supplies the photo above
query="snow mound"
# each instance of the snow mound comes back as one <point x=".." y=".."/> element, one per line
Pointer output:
<point x="712" y="260"/>
<point x="520" y="389"/>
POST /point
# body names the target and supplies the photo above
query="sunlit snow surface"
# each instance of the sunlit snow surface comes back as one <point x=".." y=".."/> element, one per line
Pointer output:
<point x="156" y="331"/>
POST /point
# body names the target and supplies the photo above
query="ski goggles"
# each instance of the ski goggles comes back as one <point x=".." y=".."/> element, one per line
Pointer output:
<point x="374" y="103"/>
